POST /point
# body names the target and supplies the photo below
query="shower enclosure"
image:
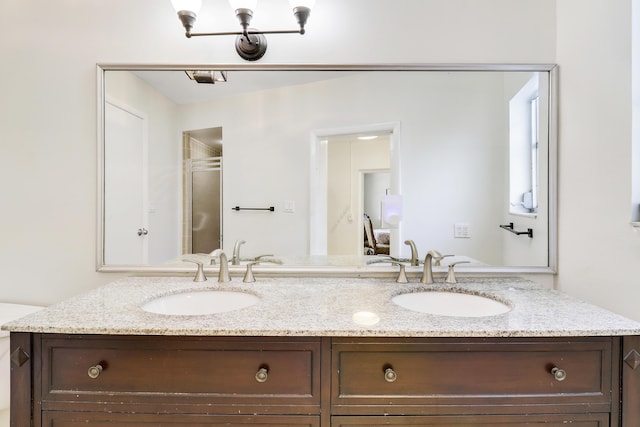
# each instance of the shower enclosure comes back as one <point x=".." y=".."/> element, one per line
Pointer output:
<point x="204" y="208"/>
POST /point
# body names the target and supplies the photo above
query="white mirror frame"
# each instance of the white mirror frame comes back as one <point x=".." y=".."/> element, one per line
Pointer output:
<point x="336" y="271"/>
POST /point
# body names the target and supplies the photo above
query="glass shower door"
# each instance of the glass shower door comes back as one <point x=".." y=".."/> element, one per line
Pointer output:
<point x="206" y="204"/>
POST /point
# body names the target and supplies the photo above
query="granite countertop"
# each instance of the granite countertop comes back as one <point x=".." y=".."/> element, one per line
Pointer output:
<point x="325" y="307"/>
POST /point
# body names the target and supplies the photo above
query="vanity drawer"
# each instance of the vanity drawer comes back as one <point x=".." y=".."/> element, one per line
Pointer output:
<point x="573" y="420"/>
<point x="84" y="419"/>
<point x="425" y="376"/>
<point x="186" y="372"/>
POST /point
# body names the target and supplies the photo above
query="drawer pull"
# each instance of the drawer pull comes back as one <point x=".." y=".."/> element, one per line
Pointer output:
<point x="95" y="371"/>
<point x="390" y="375"/>
<point x="559" y="374"/>
<point x="262" y="375"/>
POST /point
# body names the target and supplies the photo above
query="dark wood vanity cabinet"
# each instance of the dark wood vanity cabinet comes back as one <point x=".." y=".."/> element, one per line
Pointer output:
<point x="99" y="381"/>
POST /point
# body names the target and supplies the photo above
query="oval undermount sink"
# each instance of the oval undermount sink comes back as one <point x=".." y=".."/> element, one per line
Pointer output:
<point x="451" y="304"/>
<point x="200" y="303"/>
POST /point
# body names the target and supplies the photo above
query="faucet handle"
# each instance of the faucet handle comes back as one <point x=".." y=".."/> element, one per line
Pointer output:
<point x="248" y="275"/>
<point x="200" y="276"/>
<point x="451" y="276"/>
<point x="437" y="259"/>
<point x="402" y="275"/>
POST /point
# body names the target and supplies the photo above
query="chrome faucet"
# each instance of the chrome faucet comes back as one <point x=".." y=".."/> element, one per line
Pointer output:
<point x="235" y="259"/>
<point x="214" y="254"/>
<point x="427" y="274"/>
<point x="223" y="273"/>
<point x="414" y="252"/>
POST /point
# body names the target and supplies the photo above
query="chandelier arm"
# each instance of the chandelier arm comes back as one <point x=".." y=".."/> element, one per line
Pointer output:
<point x="240" y="33"/>
<point x="277" y="32"/>
<point x="229" y="33"/>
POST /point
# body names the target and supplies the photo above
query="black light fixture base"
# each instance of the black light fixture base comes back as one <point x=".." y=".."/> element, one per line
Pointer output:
<point x="251" y="47"/>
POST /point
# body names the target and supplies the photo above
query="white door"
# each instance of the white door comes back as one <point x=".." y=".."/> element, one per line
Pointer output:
<point x="126" y="226"/>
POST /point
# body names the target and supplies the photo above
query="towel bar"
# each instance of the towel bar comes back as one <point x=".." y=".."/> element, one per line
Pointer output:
<point x="509" y="228"/>
<point x="238" y="208"/>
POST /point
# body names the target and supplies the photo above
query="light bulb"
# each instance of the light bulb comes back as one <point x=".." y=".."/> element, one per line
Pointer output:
<point x="243" y="4"/>
<point x="302" y="3"/>
<point x="187" y="5"/>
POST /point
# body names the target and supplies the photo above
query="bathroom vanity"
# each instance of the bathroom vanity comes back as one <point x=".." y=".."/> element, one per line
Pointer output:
<point x="324" y="352"/>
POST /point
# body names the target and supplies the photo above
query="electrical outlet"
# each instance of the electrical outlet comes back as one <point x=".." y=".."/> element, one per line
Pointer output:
<point x="461" y="230"/>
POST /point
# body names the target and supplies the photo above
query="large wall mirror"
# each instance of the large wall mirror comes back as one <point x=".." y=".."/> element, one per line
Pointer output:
<point x="327" y="168"/>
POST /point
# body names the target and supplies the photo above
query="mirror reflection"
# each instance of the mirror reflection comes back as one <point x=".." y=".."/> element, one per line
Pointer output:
<point x="320" y="167"/>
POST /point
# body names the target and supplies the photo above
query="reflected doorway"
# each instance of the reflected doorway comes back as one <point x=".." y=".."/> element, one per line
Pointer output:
<point x="202" y="189"/>
<point x="323" y="217"/>
<point x="350" y="159"/>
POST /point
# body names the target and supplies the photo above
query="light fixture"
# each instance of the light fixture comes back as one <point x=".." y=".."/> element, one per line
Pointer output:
<point x="207" y="76"/>
<point x="251" y="44"/>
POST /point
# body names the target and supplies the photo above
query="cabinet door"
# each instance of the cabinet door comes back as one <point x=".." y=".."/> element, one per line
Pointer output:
<point x="71" y="419"/>
<point x="591" y="420"/>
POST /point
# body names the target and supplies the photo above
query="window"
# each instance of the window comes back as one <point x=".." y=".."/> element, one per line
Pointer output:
<point x="524" y="115"/>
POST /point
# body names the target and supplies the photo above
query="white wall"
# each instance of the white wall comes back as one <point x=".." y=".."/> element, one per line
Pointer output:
<point x="48" y="110"/>
<point x="599" y="252"/>
<point x="448" y="176"/>
<point x="635" y="58"/>
<point x="456" y="177"/>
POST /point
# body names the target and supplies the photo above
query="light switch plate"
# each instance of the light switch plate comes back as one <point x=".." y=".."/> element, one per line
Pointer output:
<point x="289" y="206"/>
<point x="461" y="230"/>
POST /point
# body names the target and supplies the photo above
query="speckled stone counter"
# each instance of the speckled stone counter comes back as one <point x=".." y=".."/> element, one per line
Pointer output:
<point x="325" y="307"/>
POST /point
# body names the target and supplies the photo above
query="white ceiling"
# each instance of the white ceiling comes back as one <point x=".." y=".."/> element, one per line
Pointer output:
<point x="178" y="87"/>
